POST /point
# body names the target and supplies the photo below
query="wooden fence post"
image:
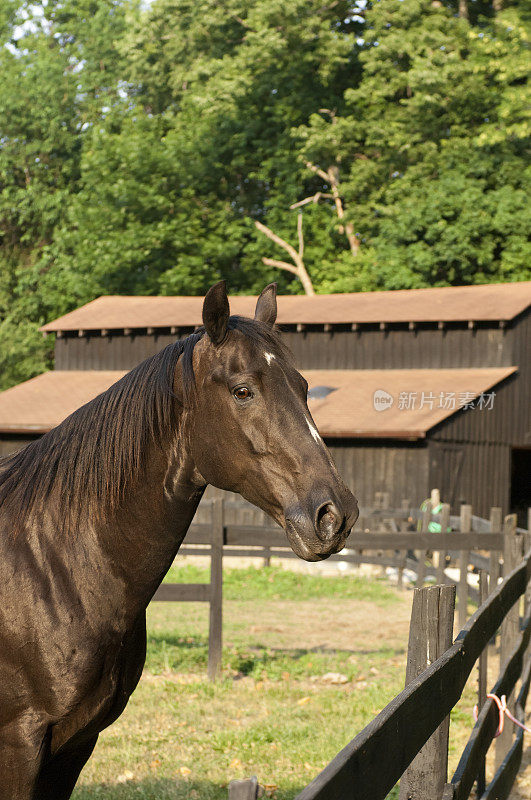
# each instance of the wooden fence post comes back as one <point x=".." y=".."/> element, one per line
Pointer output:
<point x="441" y="563"/>
<point x="402" y="554"/>
<point x="527" y="545"/>
<point x="430" y="635"/>
<point x="421" y="554"/>
<point x="435" y="499"/>
<point x="482" y="677"/>
<point x="464" y="557"/>
<point x="216" y="591"/>
<point x="494" y="559"/>
<point x="510" y="627"/>
<point x="244" y="790"/>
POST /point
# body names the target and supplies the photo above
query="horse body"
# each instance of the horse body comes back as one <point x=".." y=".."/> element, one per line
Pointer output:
<point x="76" y="579"/>
<point x="72" y="616"/>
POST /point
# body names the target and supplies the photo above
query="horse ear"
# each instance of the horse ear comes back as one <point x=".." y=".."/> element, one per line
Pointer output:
<point x="266" y="305"/>
<point x="216" y="312"/>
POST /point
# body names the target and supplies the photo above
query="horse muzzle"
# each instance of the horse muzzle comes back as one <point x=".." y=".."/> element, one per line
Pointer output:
<point x="318" y="535"/>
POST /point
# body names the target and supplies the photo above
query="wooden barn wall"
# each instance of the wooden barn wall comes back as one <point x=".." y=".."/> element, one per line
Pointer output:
<point x="471" y="472"/>
<point x="399" y="348"/>
<point x="368" y="348"/>
<point x="115" y="351"/>
<point x="470" y="453"/>
<point x="368" y="466"/>
<point x="520" y="409"/>
<point x="508" y="422"/>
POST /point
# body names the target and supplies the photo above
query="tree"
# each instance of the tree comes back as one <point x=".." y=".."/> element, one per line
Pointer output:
<point x="158" y="148"/>
<point x="49" y="97"/>
<point x="432" y="147"/>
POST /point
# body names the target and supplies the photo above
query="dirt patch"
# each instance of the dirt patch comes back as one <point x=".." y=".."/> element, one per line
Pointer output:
<point x="328" y="624"/>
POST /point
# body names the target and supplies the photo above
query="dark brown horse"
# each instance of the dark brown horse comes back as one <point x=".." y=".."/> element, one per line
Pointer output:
<point x="92" y="515"/>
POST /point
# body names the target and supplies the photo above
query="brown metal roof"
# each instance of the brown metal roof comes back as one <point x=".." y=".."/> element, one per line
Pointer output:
<point x="434" y="395"/>
<point x="41" y="403"/>
<point x="349" y="411"/>
<point x="494" y="301"/>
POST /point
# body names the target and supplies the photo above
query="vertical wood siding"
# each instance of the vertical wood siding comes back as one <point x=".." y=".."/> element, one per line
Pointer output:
<point x="395" y="348"/>
<point x="509" y="421"/>
<point x="115" y="351"/>
<point x="400" y="348"/>
<point x="471" y="472"/>
<point x="367" y="467"/>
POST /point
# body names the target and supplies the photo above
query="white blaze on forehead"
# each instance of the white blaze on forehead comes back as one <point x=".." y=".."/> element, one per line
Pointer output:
<point x="269" y="357"/>
<point x="313" y="430"/>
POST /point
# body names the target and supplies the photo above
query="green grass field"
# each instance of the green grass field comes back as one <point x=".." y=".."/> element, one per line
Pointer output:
<point x="274" y="714"/>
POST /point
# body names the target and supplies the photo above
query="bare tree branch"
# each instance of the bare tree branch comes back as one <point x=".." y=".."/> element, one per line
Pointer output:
<point x="277" y="240"/>
<point x="313" y="199"/>
<point x="272" y="262"/>
<point x="298" y="267"/>
<point x="332" y="178"/>
<point x="322" y="174"/>
<point x="300" y="235"/>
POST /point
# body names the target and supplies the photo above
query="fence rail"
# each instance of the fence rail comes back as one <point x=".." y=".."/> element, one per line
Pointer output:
<point x="405" y="726"/>
<point x="389" y="544"/>
<point x="372" y="763"/>
<point x="485" y="728"/>
<point x="410" y="719"/>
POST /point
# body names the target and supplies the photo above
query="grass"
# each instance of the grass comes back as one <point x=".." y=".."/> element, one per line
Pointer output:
<point x="273" y="714"/>
<point x="275" y="583"/>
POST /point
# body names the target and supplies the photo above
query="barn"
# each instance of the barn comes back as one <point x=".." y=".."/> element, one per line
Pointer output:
<point x="411" y="389"/>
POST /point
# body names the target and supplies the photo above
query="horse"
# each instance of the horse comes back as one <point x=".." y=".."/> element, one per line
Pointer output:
<point x="93" y="513"/>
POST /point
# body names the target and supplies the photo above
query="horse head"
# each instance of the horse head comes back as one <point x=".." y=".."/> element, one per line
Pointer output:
<point x="251" y="431"/>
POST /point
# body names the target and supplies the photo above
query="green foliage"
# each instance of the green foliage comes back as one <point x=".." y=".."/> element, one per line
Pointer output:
<point x="432" y="149"/>
<point x="138" y="144"/>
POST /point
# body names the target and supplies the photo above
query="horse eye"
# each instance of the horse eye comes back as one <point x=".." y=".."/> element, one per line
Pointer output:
<point x="242" y="393"/>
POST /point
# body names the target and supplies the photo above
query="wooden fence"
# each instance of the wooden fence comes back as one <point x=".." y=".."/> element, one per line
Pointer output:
<point x="409" y="738"/>
<point x="399" y="538"/>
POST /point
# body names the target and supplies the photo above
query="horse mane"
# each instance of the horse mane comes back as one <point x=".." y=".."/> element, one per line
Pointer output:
<point x="93" y="457"/>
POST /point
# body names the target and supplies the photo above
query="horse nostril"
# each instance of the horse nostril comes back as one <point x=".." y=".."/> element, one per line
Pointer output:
<point x="328" y="520"/>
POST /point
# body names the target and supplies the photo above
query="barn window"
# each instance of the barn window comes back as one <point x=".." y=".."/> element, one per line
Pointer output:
<point x="318" y="392"/>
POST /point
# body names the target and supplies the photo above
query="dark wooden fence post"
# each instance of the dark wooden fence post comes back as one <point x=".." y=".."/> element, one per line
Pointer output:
<point x="215" y="641"/>
<point x="464" y="557"/>
<point x="430" y="635"/>
<point x="510" y="627"/>
<point x="527" y="545"/>
<point x="482" y="677"/>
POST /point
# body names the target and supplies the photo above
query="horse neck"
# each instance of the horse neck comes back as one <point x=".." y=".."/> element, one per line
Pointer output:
<point x="143" y="537"/>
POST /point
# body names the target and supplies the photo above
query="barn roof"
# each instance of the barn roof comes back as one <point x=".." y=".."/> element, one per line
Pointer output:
<point x="348" y="410"/>
<point x="487" y="302"/>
